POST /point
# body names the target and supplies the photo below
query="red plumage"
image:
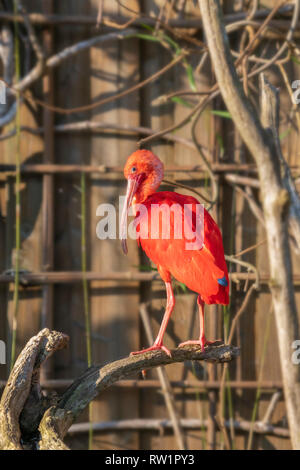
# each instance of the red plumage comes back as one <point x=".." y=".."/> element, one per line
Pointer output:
<point x="199" y="269"/>
<point x="203" y="270"/>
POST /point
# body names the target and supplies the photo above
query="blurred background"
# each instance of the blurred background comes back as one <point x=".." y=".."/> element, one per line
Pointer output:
<point x="78" y="116"/>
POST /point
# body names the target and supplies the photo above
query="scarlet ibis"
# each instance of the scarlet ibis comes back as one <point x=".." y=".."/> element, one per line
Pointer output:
<point x="203" y="270"/>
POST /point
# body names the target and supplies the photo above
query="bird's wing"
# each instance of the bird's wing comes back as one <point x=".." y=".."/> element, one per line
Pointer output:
<point x="199" y="268"/>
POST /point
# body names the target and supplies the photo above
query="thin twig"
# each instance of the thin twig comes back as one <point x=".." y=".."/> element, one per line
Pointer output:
<point x="290" y="91"/>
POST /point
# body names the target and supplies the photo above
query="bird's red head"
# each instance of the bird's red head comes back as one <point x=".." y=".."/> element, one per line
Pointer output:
<point x="144" y="172"/>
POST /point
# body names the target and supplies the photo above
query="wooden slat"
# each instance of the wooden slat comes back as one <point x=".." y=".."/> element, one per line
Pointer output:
<point x="114" y="317"/>
<point x="30" y="255"/>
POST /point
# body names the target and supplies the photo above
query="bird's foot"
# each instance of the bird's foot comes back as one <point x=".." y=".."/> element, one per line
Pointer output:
<point x="201" y="342"/>
<point x="155" y="347"/>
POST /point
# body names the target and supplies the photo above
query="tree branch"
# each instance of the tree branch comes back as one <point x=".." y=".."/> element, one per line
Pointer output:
<point x="24" y="410"/>
<point x="270" y="120"/>
<point x="22" y="394"/>
<point x="96" y="379"/>
<point x="161" y="425"/>
<point x="57" y="420"/>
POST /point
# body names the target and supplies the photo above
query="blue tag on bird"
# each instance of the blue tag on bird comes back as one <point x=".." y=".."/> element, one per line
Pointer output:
<point x="223" y="281"/>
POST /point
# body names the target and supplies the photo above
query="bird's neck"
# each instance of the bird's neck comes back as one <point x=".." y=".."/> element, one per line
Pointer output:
<point x="143" y="193"/>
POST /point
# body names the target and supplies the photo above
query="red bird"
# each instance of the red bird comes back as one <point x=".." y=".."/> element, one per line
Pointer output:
<point x="202" y="269"/>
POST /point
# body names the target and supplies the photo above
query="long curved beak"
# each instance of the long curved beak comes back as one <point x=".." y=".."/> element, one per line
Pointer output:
<point x="132" y="187"/>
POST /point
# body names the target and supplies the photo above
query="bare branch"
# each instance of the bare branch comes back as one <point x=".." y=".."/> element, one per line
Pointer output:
<point x="7" y="53"/>
<point x="66" y="20"/>
<point x="41" y="66"/>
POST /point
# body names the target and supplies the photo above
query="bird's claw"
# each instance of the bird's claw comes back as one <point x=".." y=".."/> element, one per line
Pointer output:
<point x="155" y="347"/>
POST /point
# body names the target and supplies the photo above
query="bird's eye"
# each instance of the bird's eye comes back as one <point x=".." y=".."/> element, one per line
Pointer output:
<point x="133" y="169"/>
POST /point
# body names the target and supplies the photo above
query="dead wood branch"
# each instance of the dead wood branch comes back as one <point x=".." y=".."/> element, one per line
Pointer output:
<point x="162" y="425"/>
<point x="274" y="195"/>
<point x="22" y="394"/>
<point x="42" y="65"/>
<point x="23" y="407"/>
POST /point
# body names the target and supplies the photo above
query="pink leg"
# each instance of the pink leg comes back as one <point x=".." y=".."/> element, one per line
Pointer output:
<point x="158" y="343"/>
<point x="202" y="341"/>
